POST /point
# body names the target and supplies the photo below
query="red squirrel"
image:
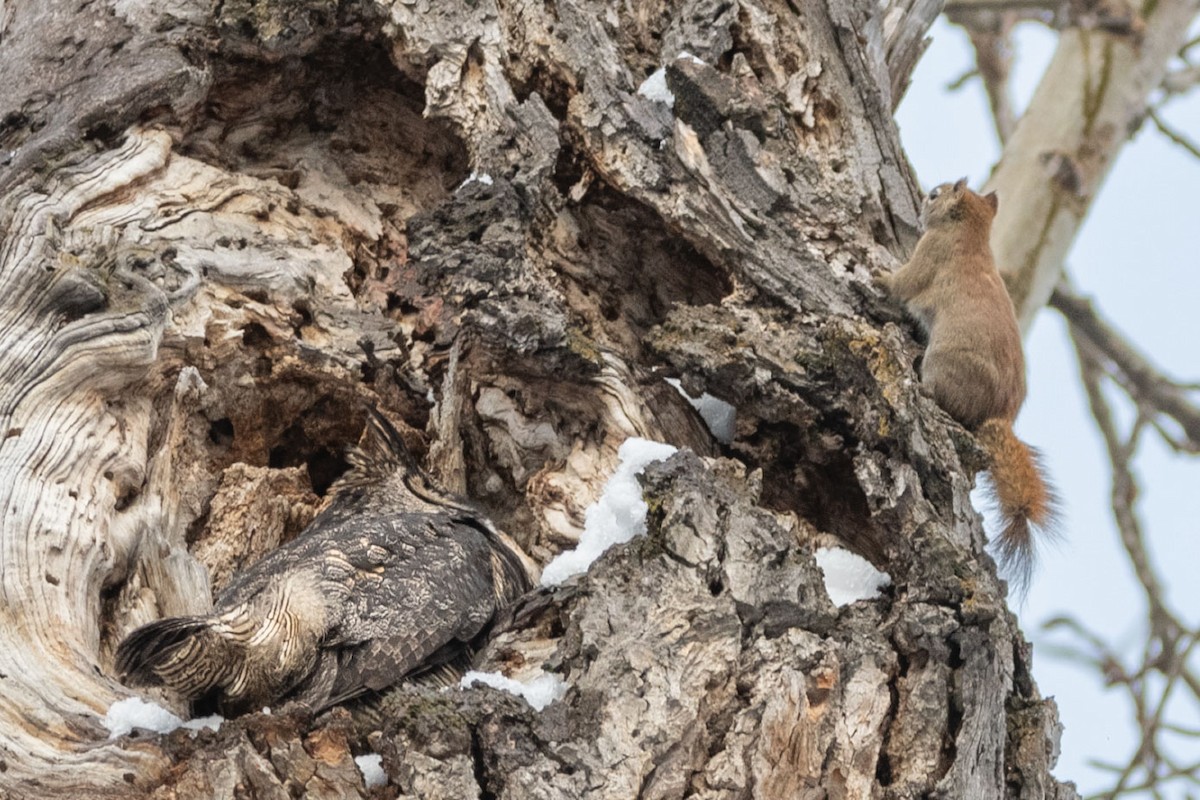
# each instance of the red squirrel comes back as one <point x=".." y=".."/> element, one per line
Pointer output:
<point x="973" y="366"/>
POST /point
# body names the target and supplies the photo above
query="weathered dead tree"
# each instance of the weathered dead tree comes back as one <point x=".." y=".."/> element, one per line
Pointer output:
<point x="226" y="227"/>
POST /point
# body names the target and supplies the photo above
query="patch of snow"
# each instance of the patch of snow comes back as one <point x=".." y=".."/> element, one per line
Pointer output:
<point x="539" y="692"/>
<point x="689" y="57"/>
<point x="213" y="723"/>
<point x="371" y="767"/>
<point x="655" y="88"/>
<point x="718" y="415"/>
<point x="134" y="712"/>
<point x="848" y="576"/>
<point x="480" y="177"/>
<point x="619" y="514"/>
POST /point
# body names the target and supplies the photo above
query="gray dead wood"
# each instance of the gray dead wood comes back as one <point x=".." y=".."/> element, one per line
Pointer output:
<point x="226" y="227"/>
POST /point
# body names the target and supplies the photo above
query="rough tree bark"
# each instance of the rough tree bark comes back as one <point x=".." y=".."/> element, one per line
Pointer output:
<point x="226" y="227"/>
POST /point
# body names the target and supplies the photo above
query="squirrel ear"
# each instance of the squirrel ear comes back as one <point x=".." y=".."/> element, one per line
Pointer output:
<point x="992" y="201"/>
<point x="961" y="184"/>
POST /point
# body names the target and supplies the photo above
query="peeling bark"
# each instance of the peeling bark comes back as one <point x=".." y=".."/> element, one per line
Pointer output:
<point x="226" y="229"/>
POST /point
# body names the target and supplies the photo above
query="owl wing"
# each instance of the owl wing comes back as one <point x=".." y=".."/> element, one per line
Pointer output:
<point x="411" y="606"/>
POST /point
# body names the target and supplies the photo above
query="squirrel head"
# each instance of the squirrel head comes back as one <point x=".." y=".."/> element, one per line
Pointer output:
<point x="955" y="202"/>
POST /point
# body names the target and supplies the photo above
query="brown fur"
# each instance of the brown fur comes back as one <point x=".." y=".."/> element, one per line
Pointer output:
<point x="1022" y="495"/>
<point x="974" y="366"/>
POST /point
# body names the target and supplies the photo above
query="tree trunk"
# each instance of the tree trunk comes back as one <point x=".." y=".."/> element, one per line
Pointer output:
<point x="227" y="228"/>
<point x="1092" y="97"/>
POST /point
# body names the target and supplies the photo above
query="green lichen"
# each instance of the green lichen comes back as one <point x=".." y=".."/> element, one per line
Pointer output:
<point x="413" y="710"/>
<point x="648" y="548"/>
<point x="888" y="372"/>
<point x="864" y="345"/>
<point x="579" y="344"/>
<point x="276" y="22"/>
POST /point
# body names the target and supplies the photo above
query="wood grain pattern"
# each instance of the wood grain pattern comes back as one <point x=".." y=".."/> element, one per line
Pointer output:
<point x="226" y="227"/>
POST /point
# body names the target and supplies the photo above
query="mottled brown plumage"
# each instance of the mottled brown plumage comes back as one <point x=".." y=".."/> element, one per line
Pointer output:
<point x="393" y="578"/>
<point x="974" y="366"/>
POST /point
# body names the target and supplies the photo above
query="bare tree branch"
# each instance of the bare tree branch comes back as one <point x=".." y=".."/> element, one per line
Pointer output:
<point x="1181" y="80"/>
<point x="1145" y="383"/>
<point x="905" y="28"/>
<point x="1172" y="134"/>
<point x="1124" y="491"/>
<point x="993" y="55"/>
<point x="1096" y="87"/>
<point x="1168" y="645"/>
<point x="1094" y="94"/>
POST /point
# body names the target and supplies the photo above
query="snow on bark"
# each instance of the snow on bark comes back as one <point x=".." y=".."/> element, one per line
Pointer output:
<point x="849" y="577"/>
<point x="618" y="516"/>
<point x="125" y="716"/>
<point x="539" y="691"/>
<point x="227" y="228"/>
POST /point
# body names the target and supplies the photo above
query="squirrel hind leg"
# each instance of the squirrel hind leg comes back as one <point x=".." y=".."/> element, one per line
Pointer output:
<point x="964" y="387"/>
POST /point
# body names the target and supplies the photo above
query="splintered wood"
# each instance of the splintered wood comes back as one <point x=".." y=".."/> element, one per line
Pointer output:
<point x="227" y="229"/>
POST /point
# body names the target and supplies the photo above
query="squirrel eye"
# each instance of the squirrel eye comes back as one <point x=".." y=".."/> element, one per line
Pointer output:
<point x="933" y="194"/>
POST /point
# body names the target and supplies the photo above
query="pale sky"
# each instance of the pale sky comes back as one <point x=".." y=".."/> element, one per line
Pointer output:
<point x="1137" y="256"/>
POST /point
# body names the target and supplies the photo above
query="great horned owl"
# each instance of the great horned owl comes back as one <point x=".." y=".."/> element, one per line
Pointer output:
<point x="393" y="578"/>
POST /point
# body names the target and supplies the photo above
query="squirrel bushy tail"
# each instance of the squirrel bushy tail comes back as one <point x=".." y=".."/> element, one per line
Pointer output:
<point x="1022" y="494"/>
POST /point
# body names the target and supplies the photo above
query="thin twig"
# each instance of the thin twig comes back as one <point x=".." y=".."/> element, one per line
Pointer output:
<point x="993" y="57"/>
<point x="1167" y="647"/>
<point x="961" y="80"/>
<point x="1124" y="490"/>
<point x="1172" y="134"/>
<point x="1178" y="81"/>
<point x="1144" y="382"/>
